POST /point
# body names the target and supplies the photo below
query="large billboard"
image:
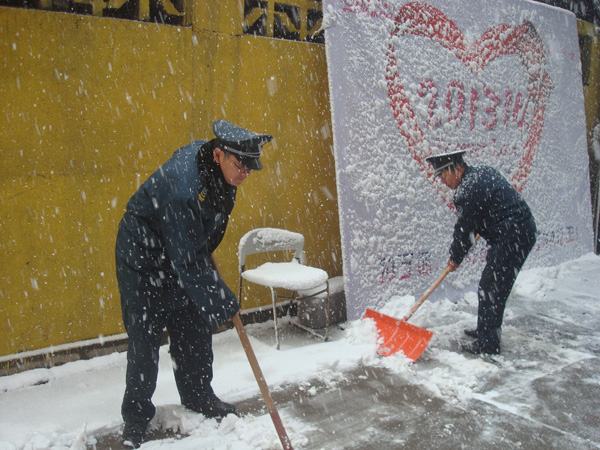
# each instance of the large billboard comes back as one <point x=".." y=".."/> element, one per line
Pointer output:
<point x="500" y="79"/>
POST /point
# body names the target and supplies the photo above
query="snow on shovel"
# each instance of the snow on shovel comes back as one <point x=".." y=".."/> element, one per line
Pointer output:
<point x="399" y="335"/>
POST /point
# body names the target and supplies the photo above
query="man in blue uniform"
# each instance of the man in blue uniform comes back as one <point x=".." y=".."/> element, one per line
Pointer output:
<point x="486" y="204"/>
<point x="171" y="227"/>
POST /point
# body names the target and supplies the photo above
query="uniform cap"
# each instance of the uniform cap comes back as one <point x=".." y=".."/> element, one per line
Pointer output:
<point x="446" y="160"/>
<point x="244" y="144"/>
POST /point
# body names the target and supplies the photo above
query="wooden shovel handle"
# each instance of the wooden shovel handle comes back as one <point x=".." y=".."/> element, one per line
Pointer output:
<point x="262" y="384"/>
<point x="431" y="289"/>
<point x="260" y="379"/>
<point x="426" y="294"/>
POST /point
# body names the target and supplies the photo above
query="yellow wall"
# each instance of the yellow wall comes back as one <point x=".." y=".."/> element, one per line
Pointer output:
<point x="91" y="106"/>
<point x="590" y="55"/>
<point x="591" y="92"/>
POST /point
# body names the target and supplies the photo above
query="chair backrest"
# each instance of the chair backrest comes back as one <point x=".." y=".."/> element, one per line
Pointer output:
<point x="262" y="240"/>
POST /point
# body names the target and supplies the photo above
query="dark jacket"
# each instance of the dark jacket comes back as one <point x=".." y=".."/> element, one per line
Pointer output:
<point x="173" y="223"/>
<point x="488" y="205"/>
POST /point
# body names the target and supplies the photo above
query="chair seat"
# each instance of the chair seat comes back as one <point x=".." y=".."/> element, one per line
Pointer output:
<point x="302" y="282"/>
<point x="286" y="275"/>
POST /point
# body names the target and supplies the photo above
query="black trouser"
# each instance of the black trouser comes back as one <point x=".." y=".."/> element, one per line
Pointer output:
<point x="145" y="316"/>
<point x="503" y="263"/>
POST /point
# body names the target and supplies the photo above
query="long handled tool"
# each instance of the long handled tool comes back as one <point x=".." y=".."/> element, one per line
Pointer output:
<point x="427" y="293"/>
<point x="262" y="384"/>
<point x="398" y="334"/>
<point x="264" y="390"/>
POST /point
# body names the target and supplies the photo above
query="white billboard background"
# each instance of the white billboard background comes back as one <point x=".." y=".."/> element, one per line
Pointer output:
<point x="499" y="79"/>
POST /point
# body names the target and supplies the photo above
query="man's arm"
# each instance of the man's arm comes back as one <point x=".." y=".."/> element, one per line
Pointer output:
<point x="185" y="241"/>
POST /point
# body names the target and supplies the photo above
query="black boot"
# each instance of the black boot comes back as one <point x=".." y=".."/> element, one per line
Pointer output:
<point x="218" y="409"/>
<point x="486" y="342"/>
<point x="133" y="434"/>
<point x="212" y="407"/>
<point x="472" y="332"/>
<point x="478" y="347"/>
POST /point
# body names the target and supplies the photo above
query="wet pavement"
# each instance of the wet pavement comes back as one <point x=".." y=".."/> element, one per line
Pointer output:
<point x="543" y="393"/>
<point x="376" y="409"/>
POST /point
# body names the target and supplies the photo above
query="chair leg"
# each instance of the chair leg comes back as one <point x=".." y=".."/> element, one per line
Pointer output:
<point x="275" y="317"/>
<point x="240" y="291"/>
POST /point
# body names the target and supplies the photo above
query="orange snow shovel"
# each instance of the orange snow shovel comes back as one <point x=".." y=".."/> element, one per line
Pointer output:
<point x="401" y="335"/>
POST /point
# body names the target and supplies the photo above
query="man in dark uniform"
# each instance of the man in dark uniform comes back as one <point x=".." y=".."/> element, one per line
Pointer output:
<point x="486" y="204"/>
<point x="171" y="227"/>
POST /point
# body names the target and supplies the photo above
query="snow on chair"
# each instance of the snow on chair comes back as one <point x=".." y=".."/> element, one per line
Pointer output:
<point x="293" y="276"/>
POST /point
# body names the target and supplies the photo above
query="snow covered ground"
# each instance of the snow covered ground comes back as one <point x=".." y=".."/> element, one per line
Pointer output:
<point x="546" y="380"/>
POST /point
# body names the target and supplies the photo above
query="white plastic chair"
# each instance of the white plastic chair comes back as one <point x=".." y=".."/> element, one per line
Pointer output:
<point x="292" y="276"/>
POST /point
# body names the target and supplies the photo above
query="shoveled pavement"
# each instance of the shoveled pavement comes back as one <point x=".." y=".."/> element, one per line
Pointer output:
<point x="376" y="409"/>
<point x="533" y="401"/>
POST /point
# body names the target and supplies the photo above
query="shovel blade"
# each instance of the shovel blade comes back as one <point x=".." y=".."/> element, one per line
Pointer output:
<point x="399" y="335"/>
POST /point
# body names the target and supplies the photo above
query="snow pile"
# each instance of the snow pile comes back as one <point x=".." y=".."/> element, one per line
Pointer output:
<point x="69" y="405"/>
